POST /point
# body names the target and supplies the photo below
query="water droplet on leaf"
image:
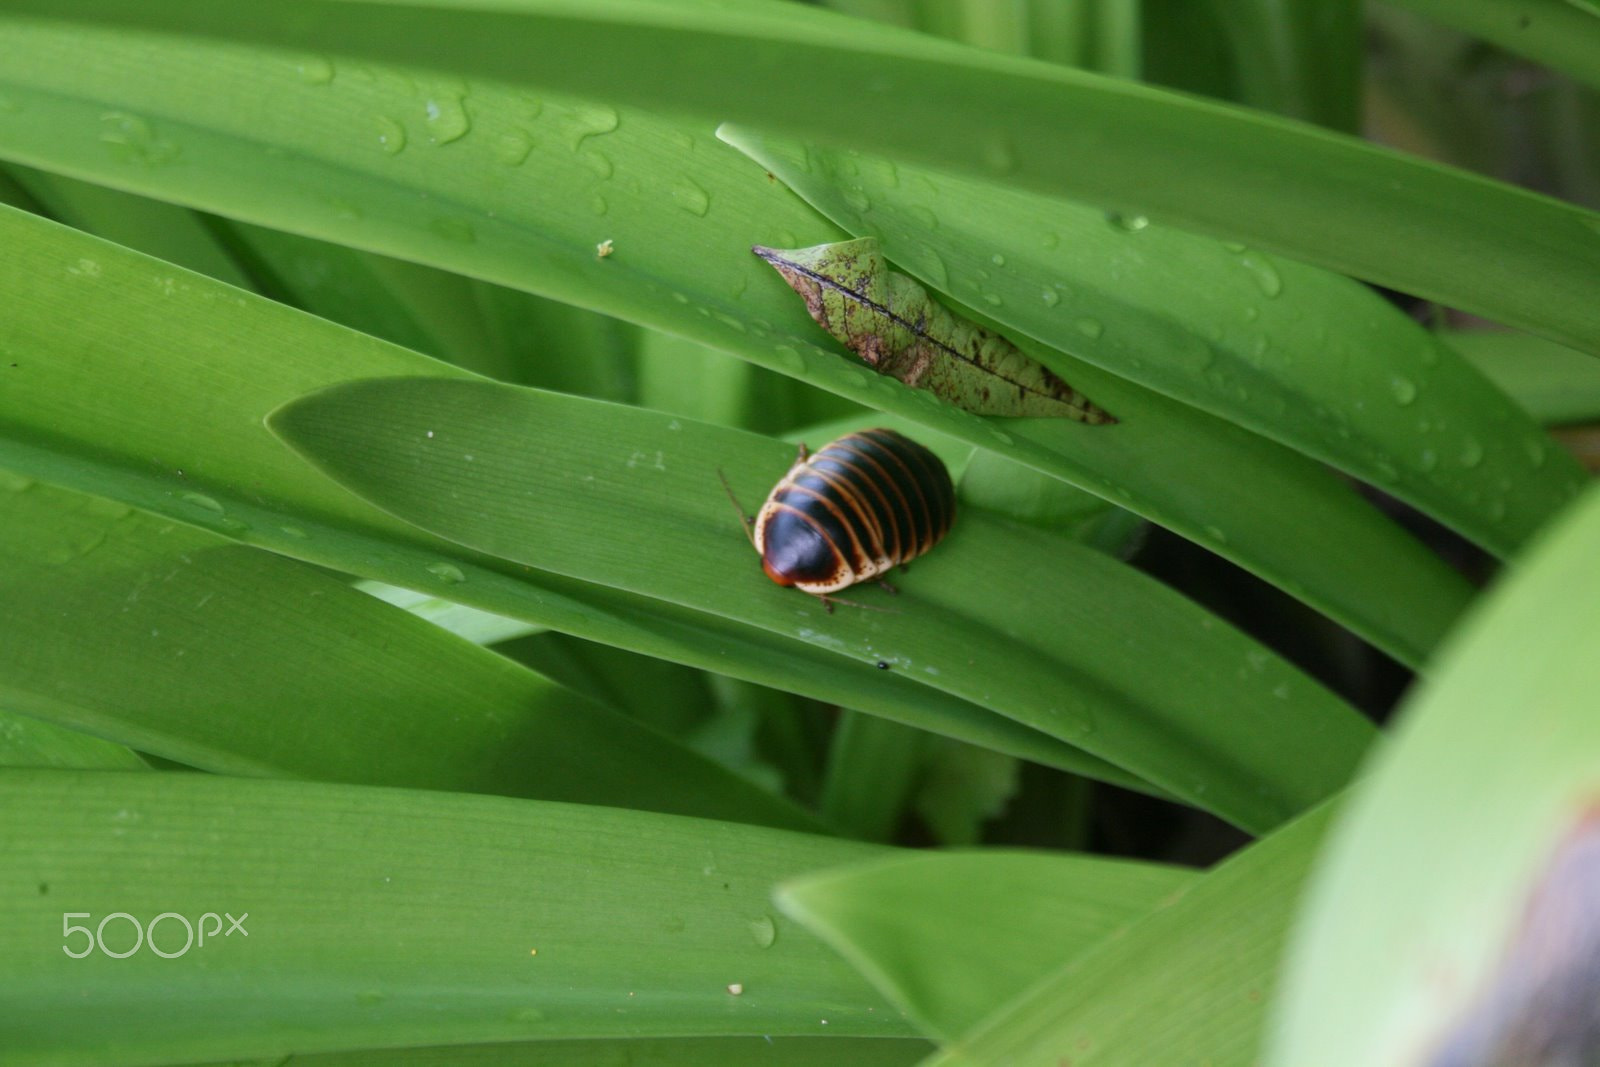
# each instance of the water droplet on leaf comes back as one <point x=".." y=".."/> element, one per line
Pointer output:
<point x="446" y="118"/>
<point x="391" y="135"/>
<point x="1403" y="389"/>
<point x="688" y="195"/>
<point x="447" y="572"/>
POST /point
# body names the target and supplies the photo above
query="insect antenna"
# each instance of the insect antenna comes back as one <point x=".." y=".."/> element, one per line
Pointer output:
<point x="749" y="523"/>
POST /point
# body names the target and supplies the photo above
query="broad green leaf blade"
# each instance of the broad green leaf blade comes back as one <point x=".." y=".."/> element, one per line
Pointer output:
<point x="1554" y="384"/>
<point x="238" y="661"/>
<point x="380" y="917"/>
<point x="1189" y="981"/>
<point x="1299" y="60"/>
<point x="951" y="937"/>
<point x="1505" y="253"/>
<point x="1562" y="34"/>
<point x="29" y="742"/>
<point x="1046" y="632"/>
<point x="638" y="1052"/>
<point x="479" y="627"/>
<point x="682" y="217"/>
<point x="103" y="385"/>
<point x="165" y="231"/>
<point x="1304" y="357"/>
<point x="1481" y="947"/>
<point x="899" y="330"/>
<point x="872" y="766"/>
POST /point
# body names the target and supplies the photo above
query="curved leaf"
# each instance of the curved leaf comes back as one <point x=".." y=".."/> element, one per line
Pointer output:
<point x="391" y="918"/>
<point x="1502" y="252"/>
<point x="1304" y="357"/>
<point x="1192" y="977"/>
<point x="925" y="929"/>
<point x="234" y="660"/>
<point x="523" y="192"/>
<point x="103" y="377"/>
<point x="1048" y="633"/>
<point x="1480" y="948"/>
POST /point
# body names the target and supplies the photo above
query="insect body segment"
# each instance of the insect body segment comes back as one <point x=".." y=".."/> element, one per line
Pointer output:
<point x="853" y="510"/>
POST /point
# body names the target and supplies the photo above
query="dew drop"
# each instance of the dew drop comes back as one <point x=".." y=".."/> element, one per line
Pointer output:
<point x="937" y="273"/>
<point x="998" y="260"/>
<point x="856" y="199"/>
<point x="789" y="358"/>
<point x="391" y="135"/>
<point x="688" y="194"/>
<point x="203" y="502"/>
<point x="1050" y="297"/>
<point x="1386" y="472"/>
<point x="764" y="931"/>
<point x="1265" y="274"/>
<point x="1090" y="328"/>
<point x="446" y="118"/>
<point x="446" y="572"/>
<point x="1471" y="452"/>
<point x="133" y="139"/>
<point x="315" y="70"/>
<point x="12" y="482"/>
<point x="293" y="531"/>
<point x="993" y="299"/>
<point x="1428" y="459"/>
<point x="1216" y="534"/>
<point x="1128" y="223"/>
<point x="599" y="163"/>
<point x="512" y="147"/>
<point x="923" y="217"/>
<point x="998" y="154"/>
<point x="1050" y="240"/>
<point x="589" y="120"/>
<point x="1403" y="389"/>
<point x="598" y="205"/>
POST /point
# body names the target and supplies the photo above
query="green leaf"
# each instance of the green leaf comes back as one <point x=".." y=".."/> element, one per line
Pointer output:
<point x="238" y="661"/>
<point x="1471" y="243"/>
<point x="1553" y="383"/>
<point x="872" y="765"/>
<point x="392" y="918"/>
<point x="29" y="742"/>
<point x="1480" y="947"/>
<point x="1009" y="918"/>
<point x="1192" y="976"/>
<point x="1299" y="355"/>
<point x="763" y="1051"/>
<point x="630" y="499"/>
<point x="102" y="388"/>
<point x="1561" y="34"/>
<point x="898" y="330"/>
<point x="682" y="218"/>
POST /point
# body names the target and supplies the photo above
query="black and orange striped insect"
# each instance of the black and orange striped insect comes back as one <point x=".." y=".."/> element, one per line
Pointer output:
<point x="853" y="510"/>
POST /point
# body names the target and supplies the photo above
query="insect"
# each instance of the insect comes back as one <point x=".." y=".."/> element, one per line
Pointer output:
<point x="850" y="511"/>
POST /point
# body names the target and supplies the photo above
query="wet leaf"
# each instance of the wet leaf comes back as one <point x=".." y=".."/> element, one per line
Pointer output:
<point x="891" y="322"/>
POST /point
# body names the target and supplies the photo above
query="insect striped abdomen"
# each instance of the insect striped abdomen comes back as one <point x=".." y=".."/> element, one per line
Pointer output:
<point x="853" y="510"/>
